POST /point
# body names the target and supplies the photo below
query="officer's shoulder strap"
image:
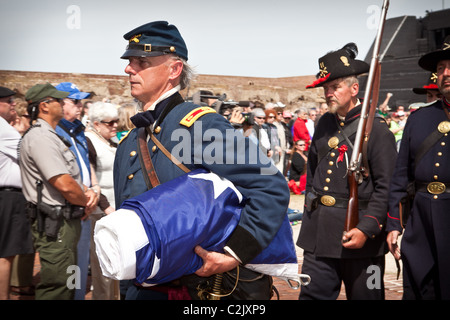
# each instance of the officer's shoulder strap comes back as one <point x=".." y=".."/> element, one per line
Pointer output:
<point x="194" y="115"/>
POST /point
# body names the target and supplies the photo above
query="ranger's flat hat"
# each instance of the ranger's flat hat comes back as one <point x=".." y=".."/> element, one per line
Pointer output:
<point x="41" y="91"/>
<point x="155" y="39"/>
<point x="430" y="60"/>
<point x="430" y="85"/>
<point x="339" y="64"/>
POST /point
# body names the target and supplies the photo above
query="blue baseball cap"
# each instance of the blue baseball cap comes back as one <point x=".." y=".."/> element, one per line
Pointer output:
<point x="155" y="39"/>
<point x="74" y="92"/>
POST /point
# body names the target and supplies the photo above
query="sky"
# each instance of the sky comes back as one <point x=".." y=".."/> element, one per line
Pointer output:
<point x="252" y="38"/>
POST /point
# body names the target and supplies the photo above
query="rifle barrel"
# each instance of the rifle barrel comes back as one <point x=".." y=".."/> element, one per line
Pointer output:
<point x="354" y="168"/>
<point x="354" y="161"/>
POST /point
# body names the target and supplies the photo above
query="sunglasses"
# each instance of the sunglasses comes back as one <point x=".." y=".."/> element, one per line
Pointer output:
<point x="271" y="117"/>
<point x="53" y="99"/>
<point x="75" y="101"/>
<point x="110" y="123"/>
<point x="10" y="101"/>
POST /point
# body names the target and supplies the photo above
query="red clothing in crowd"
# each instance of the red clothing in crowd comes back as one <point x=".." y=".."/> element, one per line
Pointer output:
<point x="300" y="132"/>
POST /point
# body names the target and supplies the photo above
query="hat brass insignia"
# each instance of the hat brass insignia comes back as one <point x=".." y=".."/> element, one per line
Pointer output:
<point x="333" y="142"/>
<point x="444" y="127"/>
<point x="433" y="77"/>
<point x="135" y="38"/>
<point x="323" y="70"/>
<point x="345" y="61"/>
<point x="446" y="46"/>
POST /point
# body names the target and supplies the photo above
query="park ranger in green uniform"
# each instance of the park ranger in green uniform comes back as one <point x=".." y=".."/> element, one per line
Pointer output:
<point x="56" y="198"/>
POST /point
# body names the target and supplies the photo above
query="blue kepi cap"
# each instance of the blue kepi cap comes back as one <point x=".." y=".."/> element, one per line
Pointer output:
<point x="155" y="39"/>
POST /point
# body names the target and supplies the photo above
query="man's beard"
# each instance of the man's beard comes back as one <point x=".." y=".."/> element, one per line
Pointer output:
<point x="332" y="106"/>
<point x="445" y="90"/>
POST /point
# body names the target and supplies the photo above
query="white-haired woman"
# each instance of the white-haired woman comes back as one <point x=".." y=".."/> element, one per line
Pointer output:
<point x="102" y="129"/>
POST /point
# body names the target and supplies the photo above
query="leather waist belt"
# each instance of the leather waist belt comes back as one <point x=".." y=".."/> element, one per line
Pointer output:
<point x="434" y="187"/>
<point x="71" y="211"/>
<point x="330" y="201"/>
<point x="10" y="189"/>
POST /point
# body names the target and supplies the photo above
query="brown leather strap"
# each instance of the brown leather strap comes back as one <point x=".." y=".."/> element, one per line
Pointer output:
<point x="167" y="153"/>
<point x="150" y="176"/>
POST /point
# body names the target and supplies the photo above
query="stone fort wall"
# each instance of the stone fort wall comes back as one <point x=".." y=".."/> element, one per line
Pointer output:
<point x="290" y="90"/>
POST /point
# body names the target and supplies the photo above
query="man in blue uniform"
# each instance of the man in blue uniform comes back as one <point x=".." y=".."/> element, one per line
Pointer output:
<point x="327" y="259"/>
<point x="199" y="138"/>
<point x="422" y="169"/>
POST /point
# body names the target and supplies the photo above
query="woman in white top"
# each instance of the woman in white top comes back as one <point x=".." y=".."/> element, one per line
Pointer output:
<point x="102" y="127"/>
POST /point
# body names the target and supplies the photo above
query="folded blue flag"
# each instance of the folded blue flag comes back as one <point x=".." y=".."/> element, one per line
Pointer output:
<point x="197" y="208"/>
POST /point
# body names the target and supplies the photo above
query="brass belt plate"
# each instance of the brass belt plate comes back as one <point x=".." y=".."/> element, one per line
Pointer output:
<point x="328" y="201"/>
<point x="436" y="187"/>
<point x="444" y="127"/>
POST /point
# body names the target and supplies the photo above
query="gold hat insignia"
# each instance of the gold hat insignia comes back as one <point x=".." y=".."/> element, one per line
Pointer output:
<point x="345" y="61"/>
<point x="135" y="38"/>
<point x="433" y="77"/>
<point x="323" y="70"/>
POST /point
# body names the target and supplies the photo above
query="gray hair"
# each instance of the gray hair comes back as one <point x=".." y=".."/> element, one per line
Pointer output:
<point x="100" y="111"/>
<point x="349" y="81"/>
<point x="187" y="75"/>
<point x="302" y="110"/>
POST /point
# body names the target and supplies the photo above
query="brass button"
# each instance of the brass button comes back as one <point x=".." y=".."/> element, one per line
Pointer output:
<point x="331" y="163"/>
<point x="329" y="171"/>
<point x="435" y="197"/>
<point x="158" y="129"/>
<point x="154" y="148"/>
<point x="327" y="180"/>
<point x="342" y="124"/>
<point x="131" y="176"/>
<point x="332" y="154"/>
<point x="442" y="143"/>
<point x="132" y="153"/>
<point x="436" y="164"/>
<point x="439" y="154"/>
<point x="435" y="177"/>
<point x="325" y="188"/>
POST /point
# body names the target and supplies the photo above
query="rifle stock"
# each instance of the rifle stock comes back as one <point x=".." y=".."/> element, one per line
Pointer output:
<point x="355" y="170"/>
<point x="352" y="210"/>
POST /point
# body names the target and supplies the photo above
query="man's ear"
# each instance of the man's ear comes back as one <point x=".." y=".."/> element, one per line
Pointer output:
<point x="354" y="89"/>
<point x="176" y="68"/>
<point x="43" y="108"/>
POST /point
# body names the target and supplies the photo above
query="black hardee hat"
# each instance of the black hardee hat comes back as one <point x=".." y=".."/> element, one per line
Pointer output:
<point x="339" y="64"/>
<point x="5" y="92"/>
<point x="430" y="60"/>
<point x="155" y="39"/>
<point x="430" y="85"/>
